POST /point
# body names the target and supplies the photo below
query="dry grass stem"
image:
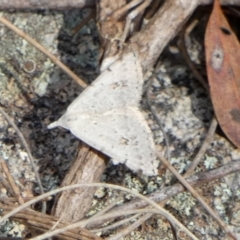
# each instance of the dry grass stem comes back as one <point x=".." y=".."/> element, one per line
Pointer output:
<point x="197" y="196"/>
<point x="113" y="215"/>
<point x="25" y="145"/>
<point x="157" y="209"/>
<point x="11" y="181"/>
<point x="183" y="35"/>
<point x="116" y="224"/>
<point x="158" y="121"/>
<point x="203" y="148"/>
<point x="54" y="59"/>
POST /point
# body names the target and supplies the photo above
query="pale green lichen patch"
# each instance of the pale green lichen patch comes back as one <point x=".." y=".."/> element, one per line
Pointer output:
<point x="183" y="203"/>
<point x="223" y="196"/>
<point x="180" y="162"/>
<point x="223" y="191"/>
<point x="210" y="162"/>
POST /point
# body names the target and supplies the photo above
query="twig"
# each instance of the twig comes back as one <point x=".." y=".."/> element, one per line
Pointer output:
<point x="4" y="183"/>
<point x="13" y="199"/>
<point x="25" y="145"/>
<point x="114" y="215"/>
<point x="117" y="224"/>
<point x="43" y="222"/>
<point x="203" y="148"/>
<point x="11" y="181"/>
<point x="113" y="204"/>
<point x="66" y="4"/>
<point x="157" y="209"/>
<point x="37" y="45"/>
<point x="154" y="113"/>
<point x="196" y="195"/>
<point x="165" y="24"/>
<point x="45" y="4"/>
<point x="87" y="167"/>
<point x="199" y="77"/>
<point x="196" y="180"/>
<point x="57" y="223"/>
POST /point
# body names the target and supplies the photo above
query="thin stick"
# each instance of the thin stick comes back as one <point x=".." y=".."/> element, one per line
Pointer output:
<point x="66" y="4"/>
<point x="45" y="4"/>
<point x="157" y="209"/>
<point x="199" y="77"/>
<point x="154" y="113"/>
<point x="113" y="204"/>
<point x="115" y="215"/>
<point x="11" y="181"/>
<point x="37" y="45"/>
<point x="203" y="148"/>
<point x="196" y="195"/>
<point x="25" y="145"/>
<point x="196" y="180"/>
<point x="117" y="224"/>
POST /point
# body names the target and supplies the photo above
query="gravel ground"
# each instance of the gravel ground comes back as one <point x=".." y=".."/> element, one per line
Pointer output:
<point x="34" y="93"/>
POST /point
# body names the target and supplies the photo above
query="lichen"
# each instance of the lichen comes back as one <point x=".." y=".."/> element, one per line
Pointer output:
<point x="183" y="203"/>
<point x="210" y="161"/>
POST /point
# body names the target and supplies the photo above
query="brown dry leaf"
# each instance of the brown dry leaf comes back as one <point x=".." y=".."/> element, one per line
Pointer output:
<point x="222" y="59"/>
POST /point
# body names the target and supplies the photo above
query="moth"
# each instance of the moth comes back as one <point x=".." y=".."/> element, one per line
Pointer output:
<point x="107" y="116"/>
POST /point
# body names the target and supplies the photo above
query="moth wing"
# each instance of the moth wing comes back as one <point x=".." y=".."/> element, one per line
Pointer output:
<point x="122" y="134"/>
<point x="118" y="86"/>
